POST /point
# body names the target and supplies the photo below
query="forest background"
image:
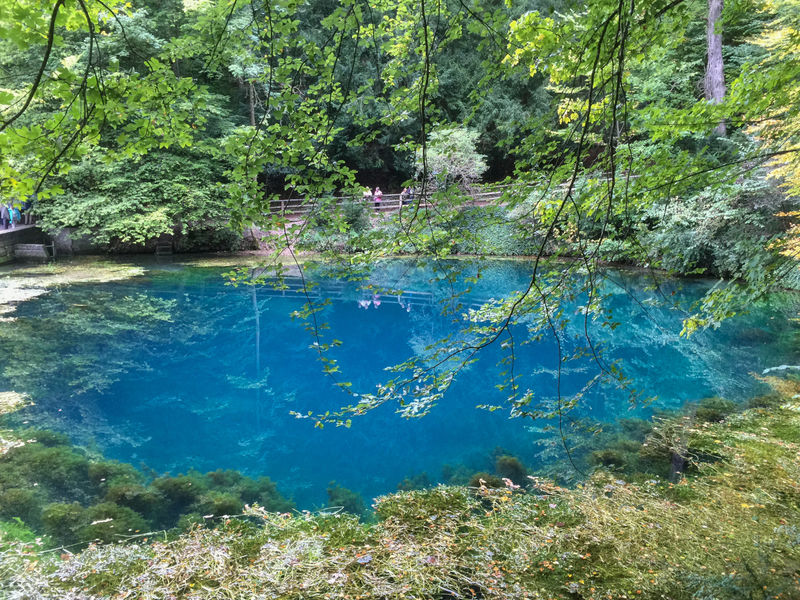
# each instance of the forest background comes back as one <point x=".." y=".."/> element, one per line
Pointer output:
<point x="672" y="124"/>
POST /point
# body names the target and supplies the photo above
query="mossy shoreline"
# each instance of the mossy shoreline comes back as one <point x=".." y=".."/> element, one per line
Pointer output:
<point x="728" y="530"/>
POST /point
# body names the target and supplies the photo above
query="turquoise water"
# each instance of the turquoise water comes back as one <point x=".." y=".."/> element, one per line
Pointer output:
<point x="176" y="370"/>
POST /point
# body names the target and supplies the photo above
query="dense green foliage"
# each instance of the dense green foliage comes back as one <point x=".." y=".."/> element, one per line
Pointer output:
<point x="173" y="120"/>
<point x="450" y="157"/>
<point x="73" y="497"/>
<point x="215" y="129"/>
<point x="124" y="204"/>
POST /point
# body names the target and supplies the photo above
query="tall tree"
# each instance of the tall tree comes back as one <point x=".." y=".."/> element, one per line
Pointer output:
<point x="714" y="83"/>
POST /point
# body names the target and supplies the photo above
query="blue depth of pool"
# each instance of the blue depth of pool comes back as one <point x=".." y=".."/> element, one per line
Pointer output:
<point x="176" y="369"/>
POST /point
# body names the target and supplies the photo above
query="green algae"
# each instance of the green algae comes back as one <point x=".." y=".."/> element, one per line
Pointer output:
<point x="10" y="402"/>
<point x="22" y="283"/>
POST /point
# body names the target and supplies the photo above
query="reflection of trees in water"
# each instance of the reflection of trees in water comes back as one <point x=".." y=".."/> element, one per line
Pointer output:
<point x="649" y="322"/>
<point x="80" y="342"/>
<point x="630" y="340"/>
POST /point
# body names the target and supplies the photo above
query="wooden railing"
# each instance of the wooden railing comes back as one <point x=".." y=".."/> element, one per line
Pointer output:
<point x="387" y="203"/>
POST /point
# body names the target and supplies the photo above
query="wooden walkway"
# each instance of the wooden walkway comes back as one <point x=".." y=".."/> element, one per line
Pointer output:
<point x="19" y="227"/>
<point x="388" y="203"/>
<point x="481" y="196"/>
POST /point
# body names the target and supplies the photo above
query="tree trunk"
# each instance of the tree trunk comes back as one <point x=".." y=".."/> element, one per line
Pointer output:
<point x="251" y="97"/>
<point x="714" y="83"/>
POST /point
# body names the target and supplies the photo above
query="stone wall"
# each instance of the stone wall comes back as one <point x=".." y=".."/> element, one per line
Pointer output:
<point x="10" y="237"/>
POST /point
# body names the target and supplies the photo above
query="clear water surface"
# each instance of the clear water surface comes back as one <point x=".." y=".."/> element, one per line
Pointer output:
<point x="177" y="370"/>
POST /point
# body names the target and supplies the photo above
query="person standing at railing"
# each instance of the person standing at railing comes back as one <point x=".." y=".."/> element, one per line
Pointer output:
<point x="367" y="197"/>
<point x="5" y="216"/>
<point x="26" y="210"/>
<point x="377" y="197"/>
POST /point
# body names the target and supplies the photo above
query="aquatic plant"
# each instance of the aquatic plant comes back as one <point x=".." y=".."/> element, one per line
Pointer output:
<point x="26" y="282"/>
<point x="609" y="458"/>
<point x="456" y="474"/>
<point x="19" y="503"/>
<point x="219" y="504"/>
<point x="144" y="500"/>
<point x="713" y="410"/>
<point x="346" y="499"/>
<point x="511" y="467"/>
<point x="11" y="401"/>
<point x="76" y="497"/>
<point x="415" y="482"/>
<point x="109" y="522"/>
<point x="64" y="521"/>
<point x="14" y="531"/>
<point x="483" y="479"/>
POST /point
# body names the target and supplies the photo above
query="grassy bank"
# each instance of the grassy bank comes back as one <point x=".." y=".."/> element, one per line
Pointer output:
<point x="728" y="530"/>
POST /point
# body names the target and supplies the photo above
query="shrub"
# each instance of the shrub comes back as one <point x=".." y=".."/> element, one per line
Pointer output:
<point x="349" y="500"/>
<point x="109" y="522"/>
<point x="511" y="468"/>
<point x="491" y="230"/>
<point x="356" y="215"/>
<point x="64" y="521"/>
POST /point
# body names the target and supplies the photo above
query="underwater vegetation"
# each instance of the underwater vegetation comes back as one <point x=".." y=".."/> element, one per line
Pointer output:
<point x="76" y="498"/>
<point x="346" y="499"/>
<point x="420" y="481"/>
<point x="725" y="529"/>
